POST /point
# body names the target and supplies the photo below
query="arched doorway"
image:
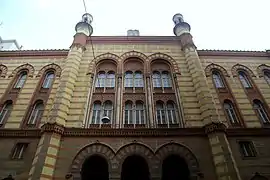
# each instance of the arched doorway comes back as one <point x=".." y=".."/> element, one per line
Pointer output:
<point x="95" y="168"/>
<point x="135" y="168"/>
<point x="175" y="168"/>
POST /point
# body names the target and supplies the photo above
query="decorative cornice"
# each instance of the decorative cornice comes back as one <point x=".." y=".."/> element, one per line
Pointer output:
<point x="20" y="133"/>
<point x="53" y="128"/>
<point x="44" y="52"/>
<point x="134" y="132"/>
<point x="214" y="127"/>
<point x="140" y="132"/>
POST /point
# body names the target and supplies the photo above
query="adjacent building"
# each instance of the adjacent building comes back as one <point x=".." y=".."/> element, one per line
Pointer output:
<point x="134" y="107"/>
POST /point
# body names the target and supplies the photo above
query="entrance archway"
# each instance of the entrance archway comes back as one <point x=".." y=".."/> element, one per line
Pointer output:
<point x="135" y="168"/>
<point x="175" y="168"/>
<point x="95" y="168"/>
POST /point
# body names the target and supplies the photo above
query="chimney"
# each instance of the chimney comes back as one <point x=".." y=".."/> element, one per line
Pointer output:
<point x="132" y="32"/>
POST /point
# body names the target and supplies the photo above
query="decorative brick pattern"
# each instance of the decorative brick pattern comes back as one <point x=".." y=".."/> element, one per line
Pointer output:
<point x="27" y="67"/>
<point x="55" y="67"/>
<point x="3" y="70"/>
<point x="212" y="66"/>
<point x="261" y="68"/>
<point x="238" y="67"/>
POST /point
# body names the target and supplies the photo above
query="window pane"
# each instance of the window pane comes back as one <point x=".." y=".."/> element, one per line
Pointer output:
<point x="244" y="80"/>
<point x="156" y="78"/>
<point x="139" y="113"/>
<point x="258" y="106"/>
<point x="267" y="77"/>
<point x="5" y="112"/>
<point x="229" y="110"/>
<point x="160" y="113"/>
<point x="138" y="81"/>
<point x="100" y="82"/>
<point x="128" y="79"/>
<point x="96" y="113"/>
<point x="171" y="113"/>
<point x="21" y="80"/>
<point x="108" y="109"/>
<point x="217" y="80"/>
<point x="111" y="80"/>
<point x="48" y="80"/>
<point x="36" y="114"/>
<point x="166" y="78"/>
<point x="128" y="113"/>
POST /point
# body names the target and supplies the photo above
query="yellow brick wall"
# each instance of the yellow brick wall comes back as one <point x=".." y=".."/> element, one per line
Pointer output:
<point x="23" y="100"/>
<point x="191" y="109"/>
<point x="245" y="106"/>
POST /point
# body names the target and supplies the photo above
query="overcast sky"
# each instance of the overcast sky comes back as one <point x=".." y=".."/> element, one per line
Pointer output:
<point x="215" y="24"/>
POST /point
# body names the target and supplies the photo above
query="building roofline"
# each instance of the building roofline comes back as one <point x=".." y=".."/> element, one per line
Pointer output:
<point x="134" y="40"/>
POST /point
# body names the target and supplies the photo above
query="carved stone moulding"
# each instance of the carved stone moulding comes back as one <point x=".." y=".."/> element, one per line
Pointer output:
<point x="214" y="127"/>
<point x="53" y="128"/>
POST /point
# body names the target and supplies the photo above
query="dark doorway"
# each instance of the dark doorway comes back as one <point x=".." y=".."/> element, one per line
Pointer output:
<point x="175" y="168"/>
<point x="95" y="168"/>
<point x="135" y="168"/>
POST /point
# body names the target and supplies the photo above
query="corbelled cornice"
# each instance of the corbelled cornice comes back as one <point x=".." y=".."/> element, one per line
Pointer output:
<point x="140" y="132"/>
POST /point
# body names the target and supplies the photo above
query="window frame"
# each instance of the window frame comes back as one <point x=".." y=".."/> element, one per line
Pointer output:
<point x="248" y="82"/>
<point x="38" y="114"/>
<point x="220" y="80"/>
<point x="17" y="84"/>
<point x="232" y="110"/>
<point x="7" y="114"/>
<point x="47" y="82"/>
<point x="266" y="73"/>
<point x="244" y="151"/>
<point x="259" y="113"/>
<point x="21" y="147"/>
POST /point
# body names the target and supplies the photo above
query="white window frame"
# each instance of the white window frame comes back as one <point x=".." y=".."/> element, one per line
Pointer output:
<point x="263" y="116"/>
<point x="21" y="80"/>
<point x="48" y="80"/>
<point x="218" y="81"/>
<point x="36" y="114"/>
<point x="244" y="79"/>
<point x="230" y="111"/>
<point x="140" y="112"/>
<point x="19" y="150"/>
<point x="5" y="112"/>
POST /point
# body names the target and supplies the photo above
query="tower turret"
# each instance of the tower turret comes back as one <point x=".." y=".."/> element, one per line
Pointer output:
<point x="181" y="26"/>
<point x="83" y="30"/>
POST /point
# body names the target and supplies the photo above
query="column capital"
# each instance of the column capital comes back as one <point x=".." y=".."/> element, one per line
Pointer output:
<point x="186" y="41"/>
<point x="53" y="127"/>
<point x="214" y="127"/>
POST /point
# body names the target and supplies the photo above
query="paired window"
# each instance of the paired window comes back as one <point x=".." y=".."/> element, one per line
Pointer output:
<point x="244" y="79"/>
<point x="101" y="110"/>
<point x="230" y="112"/>
<point x="161" y="79"/>
<point x="134" y="79"/>
<point x="48" y="80"/>
<point x="105" y="79"/>
<point x="5" y="112"/>
<point x="36" y="113"/>
<point x="134" y="113"/>
<point x="260" y="109"/>
<point x="21" y="80"/>
<point x="165" y="114"/>
<point x="217" y="80"/>
<point x="247" y="149"/>
<point x="19" y="150"/>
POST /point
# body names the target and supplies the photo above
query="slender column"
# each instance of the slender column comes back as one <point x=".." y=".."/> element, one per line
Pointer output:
<point x="118" y="100"/>
<point x="150" y="102"/>
<point x="88" y="103"/>
<point x="221" y="151"/>
<point x="179" y="102"/>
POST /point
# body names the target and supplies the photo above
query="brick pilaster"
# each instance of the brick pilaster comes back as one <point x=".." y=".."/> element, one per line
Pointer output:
<point x="43" y="164"/>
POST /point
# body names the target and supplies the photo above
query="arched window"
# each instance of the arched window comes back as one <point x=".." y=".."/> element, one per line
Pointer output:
<point x="217" y="80"/>
<point x="259" y="107"/>
<point x="160" y="113"/>
<point x="156" y="78"/>
<point x="96" y="115"/>
<point x="138" y="79"/>
<point x="108" y="109"/>
<point x="128" y="112"/>
<point x="101" y="78"/>
<point x="48" y="80"/>
<point x="267" y="76"/>
<point x="139" y="115"/>
<point x="21" y="80"/>
<point x="5" y="112"/>
<point x="36" y="113"/>
<point x="110" y="79"/>
<point x="171" y="113"/>
<point x="128" y="79"/>
<point x="230" y="112"/>
<point x="244" y="79"/>
<point x="166" y="79"/>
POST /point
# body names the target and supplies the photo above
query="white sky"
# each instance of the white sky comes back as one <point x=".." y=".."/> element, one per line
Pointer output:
<point x="215" y="24"/>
